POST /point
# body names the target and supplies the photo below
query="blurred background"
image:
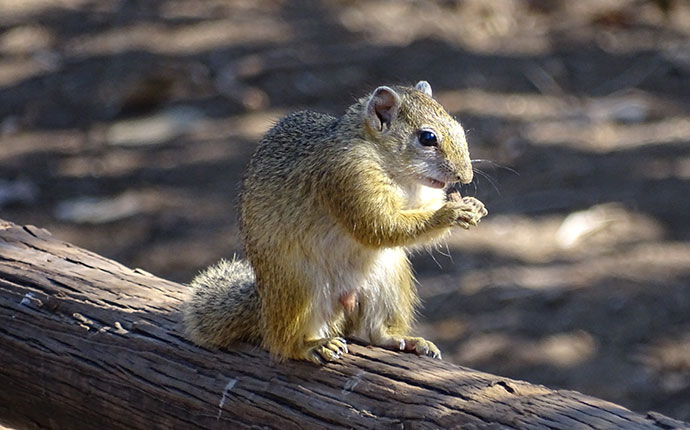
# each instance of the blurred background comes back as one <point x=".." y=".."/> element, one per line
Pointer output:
<point x="125" y="128"/>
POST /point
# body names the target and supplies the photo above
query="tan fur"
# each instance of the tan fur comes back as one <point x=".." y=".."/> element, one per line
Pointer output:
<point x="329" y="208"/>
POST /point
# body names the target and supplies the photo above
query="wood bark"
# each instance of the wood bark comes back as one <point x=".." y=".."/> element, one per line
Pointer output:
<point x="87" y="343"/>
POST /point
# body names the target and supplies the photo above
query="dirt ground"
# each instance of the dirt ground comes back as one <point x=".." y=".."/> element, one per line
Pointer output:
<point x="125" y="128"/>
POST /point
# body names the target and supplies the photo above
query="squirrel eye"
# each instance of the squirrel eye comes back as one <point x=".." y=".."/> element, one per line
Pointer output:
<point x="428" y="138"/>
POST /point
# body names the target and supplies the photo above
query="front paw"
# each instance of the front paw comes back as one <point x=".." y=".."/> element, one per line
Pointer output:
<point x="467" y="211"/>
<point x="477" y="210"/>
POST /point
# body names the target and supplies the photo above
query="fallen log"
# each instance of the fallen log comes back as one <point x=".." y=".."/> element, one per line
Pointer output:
<point x="87" y="343"/>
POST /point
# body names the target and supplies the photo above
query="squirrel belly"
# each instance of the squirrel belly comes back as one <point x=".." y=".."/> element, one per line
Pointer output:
<point x="328" y="209"/>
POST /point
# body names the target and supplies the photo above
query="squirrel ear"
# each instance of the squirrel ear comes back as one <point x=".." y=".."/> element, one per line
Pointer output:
<point x="382" y="108"/>
<point x="424" y="87"/>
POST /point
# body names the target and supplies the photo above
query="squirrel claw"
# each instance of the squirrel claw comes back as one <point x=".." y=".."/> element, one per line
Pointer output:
<point x="418" y="345"/>
<point x="463" y="224"/>
<point x="324" y="350"/>
<point x="421" y="346"/>
<point x="338" y="345"/>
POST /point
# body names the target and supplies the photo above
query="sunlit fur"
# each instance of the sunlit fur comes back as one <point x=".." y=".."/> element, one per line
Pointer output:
<point x="330" y="207"/>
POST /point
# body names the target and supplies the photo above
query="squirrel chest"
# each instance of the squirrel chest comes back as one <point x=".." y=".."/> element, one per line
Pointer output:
<point x="345" y="272"/>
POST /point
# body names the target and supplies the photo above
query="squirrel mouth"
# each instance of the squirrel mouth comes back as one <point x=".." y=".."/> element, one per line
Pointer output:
<point x="433" y="183"/>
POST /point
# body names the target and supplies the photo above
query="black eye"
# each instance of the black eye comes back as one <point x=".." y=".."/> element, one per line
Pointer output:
<point x="427" y="138"/>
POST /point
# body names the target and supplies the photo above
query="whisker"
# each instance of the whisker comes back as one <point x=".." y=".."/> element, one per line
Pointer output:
<point x="448" y="251"/>
<point x="440" y="251"/>
<point x="494" y="164"/>
<point x="431" y="254"/>
<point x="488" y="178"/>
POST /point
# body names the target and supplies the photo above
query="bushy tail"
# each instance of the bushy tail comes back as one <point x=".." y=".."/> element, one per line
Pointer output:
<point x="224" y="306"/>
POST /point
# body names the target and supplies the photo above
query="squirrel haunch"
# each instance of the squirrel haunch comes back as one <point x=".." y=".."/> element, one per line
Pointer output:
<point x="329" y="208"/>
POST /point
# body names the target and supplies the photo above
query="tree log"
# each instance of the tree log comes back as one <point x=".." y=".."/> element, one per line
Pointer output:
<point x="88" y="343"/>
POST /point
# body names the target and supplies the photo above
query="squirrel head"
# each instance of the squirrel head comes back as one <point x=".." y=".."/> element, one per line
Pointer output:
<point x="417" y="138"/>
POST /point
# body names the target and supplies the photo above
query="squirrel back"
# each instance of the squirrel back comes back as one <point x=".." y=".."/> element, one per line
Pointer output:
<point x="328" y="209"/>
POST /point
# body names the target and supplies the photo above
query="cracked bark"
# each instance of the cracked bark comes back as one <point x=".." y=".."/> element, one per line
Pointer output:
<point x="89" y="343"/>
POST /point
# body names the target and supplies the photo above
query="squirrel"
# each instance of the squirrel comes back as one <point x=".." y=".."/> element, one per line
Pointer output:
<point x="329" y="208"/>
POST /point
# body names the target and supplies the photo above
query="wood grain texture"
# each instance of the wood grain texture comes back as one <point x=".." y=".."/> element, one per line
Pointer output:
<point x="86" y="343"/>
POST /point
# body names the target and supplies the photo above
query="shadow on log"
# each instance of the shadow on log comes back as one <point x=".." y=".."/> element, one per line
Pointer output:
<point x="87" y="343"/>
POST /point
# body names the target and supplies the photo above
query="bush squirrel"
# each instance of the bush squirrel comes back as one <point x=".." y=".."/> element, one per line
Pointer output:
<point x="329" y="208"/>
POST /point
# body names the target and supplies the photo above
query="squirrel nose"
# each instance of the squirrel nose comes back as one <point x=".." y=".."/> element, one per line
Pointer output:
<point x="465" y="176"/>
